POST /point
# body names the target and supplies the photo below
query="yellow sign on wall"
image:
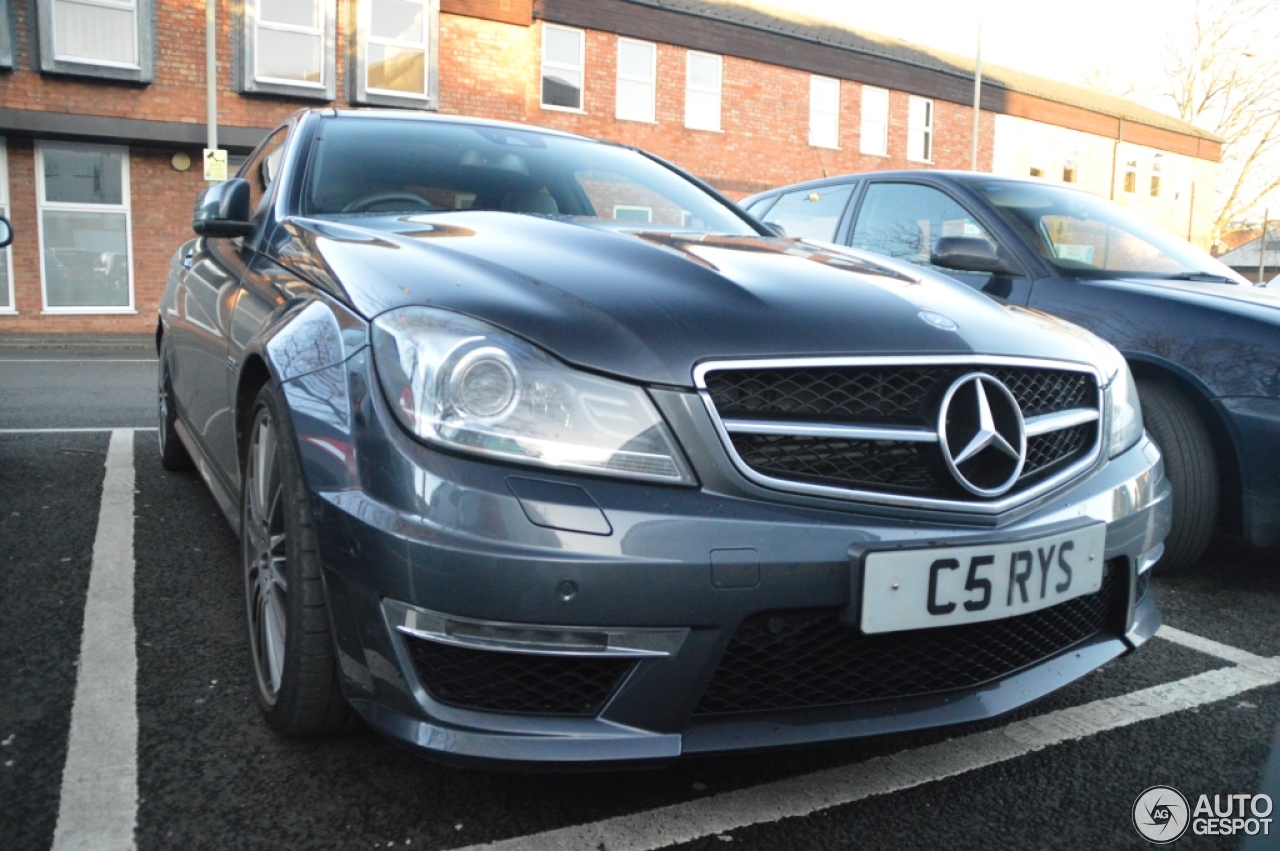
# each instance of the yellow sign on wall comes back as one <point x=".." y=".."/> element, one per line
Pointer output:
<point x="215" y="164"/>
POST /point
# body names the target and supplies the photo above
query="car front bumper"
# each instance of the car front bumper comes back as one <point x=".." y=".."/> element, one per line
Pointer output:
<point x="556" y="578"/>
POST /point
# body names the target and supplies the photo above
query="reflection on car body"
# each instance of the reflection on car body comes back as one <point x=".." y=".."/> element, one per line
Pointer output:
<point x="539" y="451"/>
<point x="1203" y="344"/>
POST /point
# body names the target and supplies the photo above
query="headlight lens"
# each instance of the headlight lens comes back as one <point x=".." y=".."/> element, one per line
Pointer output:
<point x="458" y="382"/>
<point x="1124" y="409"/>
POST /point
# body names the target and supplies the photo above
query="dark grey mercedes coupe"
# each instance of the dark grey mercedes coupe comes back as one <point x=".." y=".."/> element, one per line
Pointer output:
<point x="541" y="451"/>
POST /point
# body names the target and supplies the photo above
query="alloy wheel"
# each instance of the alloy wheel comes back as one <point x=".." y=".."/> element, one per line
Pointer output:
<point x="265" y="556"/>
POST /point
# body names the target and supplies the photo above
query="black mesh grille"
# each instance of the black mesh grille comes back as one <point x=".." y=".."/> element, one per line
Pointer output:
<point x="882" y="464"/>
<point x="1142" y="585"/>
<point x="516" y="683"/>
<point x="806" y="658"/>
<point x="889" y="396"/>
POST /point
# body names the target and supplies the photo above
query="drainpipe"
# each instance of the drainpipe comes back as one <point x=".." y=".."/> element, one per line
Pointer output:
<point x="1115" y="156"/>
<point x="977" y="100"/>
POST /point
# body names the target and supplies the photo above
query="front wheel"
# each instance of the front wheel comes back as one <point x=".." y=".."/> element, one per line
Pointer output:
<point x="173" y="455"/>
<point x="1191" y="465"/>
<point x="294" y="663"/>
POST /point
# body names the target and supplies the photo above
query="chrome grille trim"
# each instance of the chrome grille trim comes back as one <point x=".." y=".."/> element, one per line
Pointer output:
<point x="1044" y="424"/>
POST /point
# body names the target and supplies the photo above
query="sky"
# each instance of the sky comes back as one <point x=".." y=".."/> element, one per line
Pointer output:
<point x="1061" y="40"/>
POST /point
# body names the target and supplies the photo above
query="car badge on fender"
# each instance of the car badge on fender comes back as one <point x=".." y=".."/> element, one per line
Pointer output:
<point x="982" y="434"/>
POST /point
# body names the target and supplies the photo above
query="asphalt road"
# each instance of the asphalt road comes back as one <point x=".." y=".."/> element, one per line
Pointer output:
<point x="211" y="775"/>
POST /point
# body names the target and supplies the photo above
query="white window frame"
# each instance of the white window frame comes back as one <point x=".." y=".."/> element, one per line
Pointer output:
<point x="62" y="206"/>
<point x="130" y="6"/>
<point x="874" y="128"/>
<point x="428" y="46"/>
<point x="816" y="82"/>
<point x="651" y="81"/>
<point x="925" y="130"/>
<point x="648" y="211"/>
<point x="49" y="59"/>
<point x="581" y="69"/>
<point x="10" y="307"/>
<point x="248" y="20"/>
<point x="689" y="120"/>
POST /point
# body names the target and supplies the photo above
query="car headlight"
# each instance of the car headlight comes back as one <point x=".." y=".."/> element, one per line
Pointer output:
<point x="1124" y="411"/>
<point x="459" y="383"/>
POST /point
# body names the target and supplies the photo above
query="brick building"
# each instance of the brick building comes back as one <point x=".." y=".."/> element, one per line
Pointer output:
<point x="102" y="109"/>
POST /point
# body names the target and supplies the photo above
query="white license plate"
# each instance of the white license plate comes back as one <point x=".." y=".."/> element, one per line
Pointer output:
<point x="944" y="586"/>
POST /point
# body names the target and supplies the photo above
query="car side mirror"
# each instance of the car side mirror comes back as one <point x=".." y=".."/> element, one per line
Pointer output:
<point x="967" y="254"/>
<point x="775" y="229"/>
<point x="223" y="210"/>
<point x="6" y="232"/>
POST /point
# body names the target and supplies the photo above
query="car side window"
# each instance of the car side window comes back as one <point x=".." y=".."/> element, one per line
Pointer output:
<point x="811" y="213"/>
<point x="906" y="220"/>
<point x="263" y="167"/>
<point x="757" y="209"/>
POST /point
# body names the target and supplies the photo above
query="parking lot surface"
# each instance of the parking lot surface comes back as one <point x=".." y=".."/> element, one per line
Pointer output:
<point x="1195" y="709"/>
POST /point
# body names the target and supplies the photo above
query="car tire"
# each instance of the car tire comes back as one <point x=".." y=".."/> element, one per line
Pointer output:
<point x="173" y="454"/>
<point x="291" y="648"/>
<point x="1191" y="466"/>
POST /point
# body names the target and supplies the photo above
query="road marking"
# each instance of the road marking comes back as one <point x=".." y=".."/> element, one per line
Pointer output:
<point x="99" y="804"/>
<point x="801" y="796"/>
<point x="73" y="430"/>
<point x="78" y="361"/>
<point x="1208" y="646"/>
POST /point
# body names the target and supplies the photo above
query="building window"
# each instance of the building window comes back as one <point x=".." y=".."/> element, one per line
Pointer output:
<point x="637" y="73"/>
<point x="824" y="112"/>
<point x="1156" y="168"/>
<point x="82" y="195"/>
<point x="6" y="36"/>
<point x="287" y="48"/>
<point x="1131" y="176"/>
<point x="112" y="39"/>
<point x="920" y="130"/>
<point x="1070" y="167"/>
<point x="6" y="262"/>
<point x="702" y="91"/>
<point x="632" y="213"/>
<point x="875" y="122"/>
<point x="396" y="52"/>
<point x="562" y="63"/>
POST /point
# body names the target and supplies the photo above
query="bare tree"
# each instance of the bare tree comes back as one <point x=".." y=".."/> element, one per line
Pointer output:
<point x="1221" y="72"/>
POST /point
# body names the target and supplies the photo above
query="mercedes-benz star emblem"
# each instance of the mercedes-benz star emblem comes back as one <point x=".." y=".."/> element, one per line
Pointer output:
<point x="982" y="434"/>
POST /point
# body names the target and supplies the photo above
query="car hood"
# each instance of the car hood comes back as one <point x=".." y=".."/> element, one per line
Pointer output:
<point x="1258" y="302"/>
<point x="651" y="305"/>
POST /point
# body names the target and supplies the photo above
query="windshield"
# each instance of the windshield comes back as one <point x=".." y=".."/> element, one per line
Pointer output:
<point x="1085" y="236"/>
<point x="385" y="165"/>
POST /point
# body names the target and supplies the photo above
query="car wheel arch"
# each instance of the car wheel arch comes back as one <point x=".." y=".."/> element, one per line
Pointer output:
<point x="1230" y="510"/>
<point x="254" y="374"/>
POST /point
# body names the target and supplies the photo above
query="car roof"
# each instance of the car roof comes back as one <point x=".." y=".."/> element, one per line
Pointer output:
<point x="432" y="117"/>
<point x="938" y="175"/>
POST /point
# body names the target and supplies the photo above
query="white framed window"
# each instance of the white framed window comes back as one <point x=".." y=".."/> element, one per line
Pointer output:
<point x="703" y="73"/>
<point x="6" y="36"/>
<point x="6" y="261"/>
<point x="396" y="58"/>
<point x="920" y="130"/>
<point x="824" y="112"/>
<point x="637" y="79"/>
<point x="1131" y="176"/>
<point x="104" y="32"/>
<point x="1157" y="167"/>
<point x="563" y="60"/>
<point x="288" y="48"/>
<point x="632" y="213"/>
<point x="86" y="243"/>
<point x="97" y="38"/>
<point x="874" y="135"/>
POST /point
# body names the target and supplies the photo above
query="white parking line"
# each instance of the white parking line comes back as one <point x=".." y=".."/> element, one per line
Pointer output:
<point x="1209" y="647"/>
<point x="800" y="796"/>
<point x="78" y="361"/>
<point x="99" y="804"/>
<point x="73" y="430"/>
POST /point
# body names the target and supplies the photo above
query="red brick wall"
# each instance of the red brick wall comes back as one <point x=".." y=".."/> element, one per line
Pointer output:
<point x="486" y="68"/>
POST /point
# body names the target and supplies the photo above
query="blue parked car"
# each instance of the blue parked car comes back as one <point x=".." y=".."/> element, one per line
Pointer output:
<point x="1202" y="342"/>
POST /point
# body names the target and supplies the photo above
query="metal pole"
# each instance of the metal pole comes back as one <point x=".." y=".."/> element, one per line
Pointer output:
<point x="977" y="100"/>
<point x="1262" y="247"/>
<point x="211" y="75"/>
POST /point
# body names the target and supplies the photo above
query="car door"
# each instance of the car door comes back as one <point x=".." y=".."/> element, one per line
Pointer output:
<point x="905" y="220"/>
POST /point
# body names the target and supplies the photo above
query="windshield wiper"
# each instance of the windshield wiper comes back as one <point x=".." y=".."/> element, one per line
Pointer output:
<point x="1201" y="276"/>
